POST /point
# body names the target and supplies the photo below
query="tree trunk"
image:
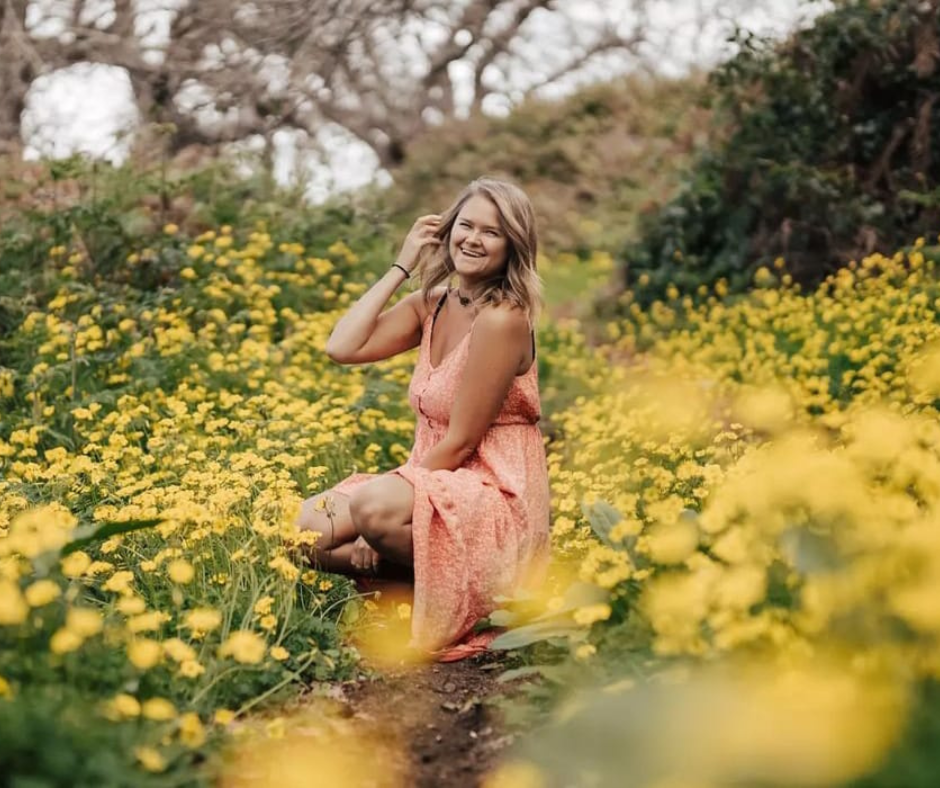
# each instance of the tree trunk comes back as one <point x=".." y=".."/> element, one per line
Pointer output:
<point x="16" y="72"/>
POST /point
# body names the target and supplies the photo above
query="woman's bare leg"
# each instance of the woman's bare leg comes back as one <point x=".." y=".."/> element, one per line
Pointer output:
<point x="333" y="550"/>
<point x="381" y="511"/>
<point x="328" y="515"/>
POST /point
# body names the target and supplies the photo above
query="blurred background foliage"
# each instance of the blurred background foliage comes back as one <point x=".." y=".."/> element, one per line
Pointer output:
<point x="823" y="150"/>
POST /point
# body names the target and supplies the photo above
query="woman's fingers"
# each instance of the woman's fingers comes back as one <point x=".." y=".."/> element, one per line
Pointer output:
<point x="364" y="558"/>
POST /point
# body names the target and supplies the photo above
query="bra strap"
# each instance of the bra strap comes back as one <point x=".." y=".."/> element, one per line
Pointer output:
<point x="439" y="305"/>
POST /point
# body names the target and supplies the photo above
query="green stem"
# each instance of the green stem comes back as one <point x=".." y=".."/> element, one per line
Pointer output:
<point x="283" y="683"/>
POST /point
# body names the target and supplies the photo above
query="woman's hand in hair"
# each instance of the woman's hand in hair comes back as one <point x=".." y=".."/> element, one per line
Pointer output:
<point x="421" y="234"/>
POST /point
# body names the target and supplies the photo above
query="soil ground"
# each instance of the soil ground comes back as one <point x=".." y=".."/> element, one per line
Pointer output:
<point x="449" y="733"/>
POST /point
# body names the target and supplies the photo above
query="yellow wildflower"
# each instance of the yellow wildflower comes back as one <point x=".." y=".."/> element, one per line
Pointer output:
<point x="123" y="706"/>
<point x="75" y="564"/>
<point x="131" y="605"/>
<point x="191" y="669"/>
<point x="144" y="653"/>
<point x="64" y="640"/>
<point x="590" y="614"/>
<point x="263" y="605"/>
<point x="120" y="582"/>
<point x="202" y="619"/>
<point x="177" y="650"/>
<point x="159" y="709"/>
<point x="223" y="716"/>
<point x="180" y="571"/>
<point x="13" y="608"/>
<point x="268" y="623"/>
<point x="84" y="621"/>
<point x="150" y="759"/>
<point x="192" y="732"/>
<point x="42" y="592"/>
<point x="243" y="646"/>
<point x="146" y="622"/>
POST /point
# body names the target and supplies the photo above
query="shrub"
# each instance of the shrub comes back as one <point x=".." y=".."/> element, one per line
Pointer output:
<point x="822" y="154"/>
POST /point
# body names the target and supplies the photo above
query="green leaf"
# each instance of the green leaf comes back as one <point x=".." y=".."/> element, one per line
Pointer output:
<point x="602" y="517"/>
<point x="810" y="552"/>
<point x="577" y="595"/>
<point x="553" y="673"/>
<point x="502" y="618"/>
<point x="532" y="633"/>
<point x="351" y="613"/>
<point x="90" y="534"/>
<point x="520" y="673"/>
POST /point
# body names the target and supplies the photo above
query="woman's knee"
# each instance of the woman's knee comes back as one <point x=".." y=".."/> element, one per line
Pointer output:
<point x="364" y="511"/>
<point x="371" y="512"/>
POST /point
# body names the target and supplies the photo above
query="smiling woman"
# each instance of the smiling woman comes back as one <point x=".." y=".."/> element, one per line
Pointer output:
<point x="466" y="517"/>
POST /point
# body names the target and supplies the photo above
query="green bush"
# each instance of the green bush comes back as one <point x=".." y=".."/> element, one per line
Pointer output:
<point x="822" y="154"/>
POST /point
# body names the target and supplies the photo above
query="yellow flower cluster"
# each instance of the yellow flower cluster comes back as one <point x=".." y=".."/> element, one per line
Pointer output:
<point x="216" y="412"/>
<point x="757" y="489"/>
<point x="740" y="427"/>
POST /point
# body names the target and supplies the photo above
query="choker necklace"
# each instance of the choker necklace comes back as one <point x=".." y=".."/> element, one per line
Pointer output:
<point x="464" y="300"/>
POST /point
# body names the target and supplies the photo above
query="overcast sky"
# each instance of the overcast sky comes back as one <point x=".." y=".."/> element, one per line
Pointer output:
<point x="89" y="109"/>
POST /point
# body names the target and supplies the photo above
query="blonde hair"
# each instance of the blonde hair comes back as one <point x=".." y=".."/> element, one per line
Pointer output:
<point x="519" y="283"/>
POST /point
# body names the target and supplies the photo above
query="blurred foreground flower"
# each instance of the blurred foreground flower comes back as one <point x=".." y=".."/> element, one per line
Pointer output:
<point x="816" y="723"/>
<point x="244" y="646"/>
<point x="383" y="636"/>
<point x="316" y="748"/>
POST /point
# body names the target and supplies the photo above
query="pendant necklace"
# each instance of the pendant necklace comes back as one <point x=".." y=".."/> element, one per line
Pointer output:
<point x="464" y="300"/>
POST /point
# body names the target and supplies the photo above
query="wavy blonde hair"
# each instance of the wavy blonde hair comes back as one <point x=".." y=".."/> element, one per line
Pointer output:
<point x="519" y="283"/>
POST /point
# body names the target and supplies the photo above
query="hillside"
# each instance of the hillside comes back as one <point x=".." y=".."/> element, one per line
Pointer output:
<point x="591" y="163"/>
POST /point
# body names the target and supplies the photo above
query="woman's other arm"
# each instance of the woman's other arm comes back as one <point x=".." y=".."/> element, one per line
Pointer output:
<point x="365" y="333"/>
<point x="498" y="345"/>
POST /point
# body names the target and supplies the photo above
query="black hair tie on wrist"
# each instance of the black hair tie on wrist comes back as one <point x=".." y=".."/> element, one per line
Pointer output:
<point x="402" y="268"/>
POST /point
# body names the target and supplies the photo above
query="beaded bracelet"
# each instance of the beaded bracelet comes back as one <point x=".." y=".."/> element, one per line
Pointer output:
<point x="407" y="274"/>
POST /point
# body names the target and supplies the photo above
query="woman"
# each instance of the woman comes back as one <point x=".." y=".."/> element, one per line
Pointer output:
<point x="469" y="510"/>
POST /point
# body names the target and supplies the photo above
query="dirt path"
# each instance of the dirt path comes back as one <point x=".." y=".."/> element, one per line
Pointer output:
<point x="447" y="729"/>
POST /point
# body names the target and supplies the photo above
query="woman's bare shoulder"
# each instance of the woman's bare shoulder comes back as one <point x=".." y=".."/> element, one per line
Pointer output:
<point x="504" y="313"/>
<point x="505" y="318"/>
<point x="424" y="307"/>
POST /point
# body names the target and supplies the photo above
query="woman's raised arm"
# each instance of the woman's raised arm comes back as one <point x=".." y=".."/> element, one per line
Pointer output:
<point x="365" y="333"/>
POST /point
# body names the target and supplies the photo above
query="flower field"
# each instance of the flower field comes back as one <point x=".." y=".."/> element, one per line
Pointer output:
<point x="752" y="486"/>
<point x="757" y="492"/>
<point x="210" y="408"/>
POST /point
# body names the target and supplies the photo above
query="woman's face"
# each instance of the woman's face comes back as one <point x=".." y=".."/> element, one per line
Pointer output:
<point x="478" y="245"/>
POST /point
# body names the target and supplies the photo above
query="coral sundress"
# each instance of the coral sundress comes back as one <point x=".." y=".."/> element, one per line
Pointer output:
<point x="481" y="530"/>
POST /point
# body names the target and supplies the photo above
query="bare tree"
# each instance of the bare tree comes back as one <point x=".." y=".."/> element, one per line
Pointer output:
<point x="19" y="66"/>
<point x="382" y="69"/>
